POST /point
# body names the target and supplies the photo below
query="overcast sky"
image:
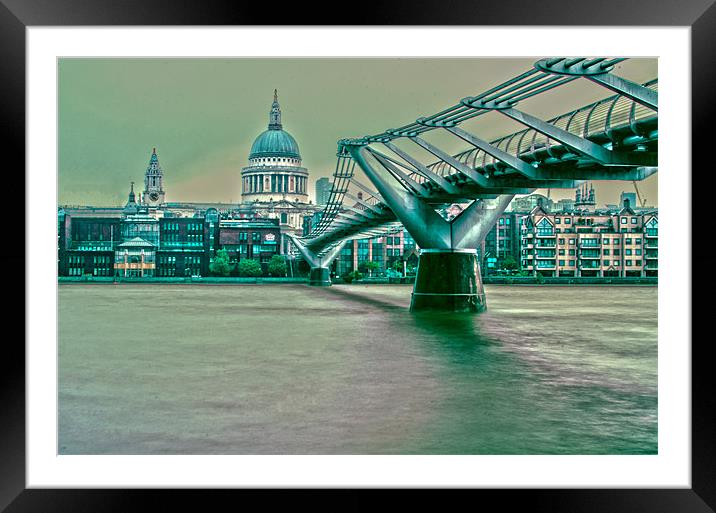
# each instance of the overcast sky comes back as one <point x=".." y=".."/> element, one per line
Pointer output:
<point x="202" y="115"/>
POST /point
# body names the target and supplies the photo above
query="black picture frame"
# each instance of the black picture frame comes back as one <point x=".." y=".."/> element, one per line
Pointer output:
<point x="16" y="15"/>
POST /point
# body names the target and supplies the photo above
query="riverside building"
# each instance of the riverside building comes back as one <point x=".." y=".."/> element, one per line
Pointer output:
<point x="590" y="243"/>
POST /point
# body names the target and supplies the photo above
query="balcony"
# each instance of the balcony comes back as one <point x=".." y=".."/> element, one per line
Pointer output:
<point x="589" y="243"/>
<point x="651" y="243"/>
<point x="651" y="256"/>
<point x="592" y="264"/>
<point x="545" y="235"/>
<point x="651" y="235"/>
<point x="547" y="264"/>
<point x="652" y="266"/>
<point x="543" y="257"/>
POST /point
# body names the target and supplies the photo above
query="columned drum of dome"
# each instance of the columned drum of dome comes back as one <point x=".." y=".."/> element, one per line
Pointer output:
<point x="274" y="171"/>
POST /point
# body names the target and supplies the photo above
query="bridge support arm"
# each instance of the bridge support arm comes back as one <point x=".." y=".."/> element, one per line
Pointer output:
<point x="471" y="227"/>
<point x="425" y="225"/>
<point x="639" y="93"/>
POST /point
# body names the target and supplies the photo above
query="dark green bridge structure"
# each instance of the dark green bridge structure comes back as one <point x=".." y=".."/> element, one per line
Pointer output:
<point x="613" y="139"/>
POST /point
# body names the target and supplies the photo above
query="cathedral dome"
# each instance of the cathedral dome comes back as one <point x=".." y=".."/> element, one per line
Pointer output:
<point x="275" y="142"/>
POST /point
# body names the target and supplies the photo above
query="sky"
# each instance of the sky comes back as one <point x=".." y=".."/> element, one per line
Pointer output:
<point x="202" y="115"/>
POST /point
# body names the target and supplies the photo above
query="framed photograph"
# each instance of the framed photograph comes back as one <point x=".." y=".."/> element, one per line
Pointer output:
<point x="416" y="255"/>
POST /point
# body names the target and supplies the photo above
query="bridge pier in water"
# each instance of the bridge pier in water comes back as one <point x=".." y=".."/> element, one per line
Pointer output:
<point x="320" y="277"/>
<point x="448" y="275"/>
<point x="448" y="280"/>
<point x="320" y="274"/>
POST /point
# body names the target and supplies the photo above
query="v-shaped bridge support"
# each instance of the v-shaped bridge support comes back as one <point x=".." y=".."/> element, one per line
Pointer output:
<point x="448" y="276"/>
<point x="320" y="272"/>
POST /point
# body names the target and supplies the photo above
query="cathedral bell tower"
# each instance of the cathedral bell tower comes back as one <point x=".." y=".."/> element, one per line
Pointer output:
<point x="153" y="194"/>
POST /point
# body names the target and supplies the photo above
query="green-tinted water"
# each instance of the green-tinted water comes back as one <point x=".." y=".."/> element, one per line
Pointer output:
<point x="288" y="369"/>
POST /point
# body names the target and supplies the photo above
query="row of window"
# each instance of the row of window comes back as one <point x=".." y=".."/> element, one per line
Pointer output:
<point x="587" y="253"/>
<point x="573" y="263"/>
<point x="175" y="237"/>
<point x="191" y="227"/>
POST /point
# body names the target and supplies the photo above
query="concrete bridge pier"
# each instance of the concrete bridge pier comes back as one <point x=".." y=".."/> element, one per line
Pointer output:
<point x="320" y="277"/>
<point x="320" y="274"/>
<point x="448" y="276"/>
<point x="448" y="280"/>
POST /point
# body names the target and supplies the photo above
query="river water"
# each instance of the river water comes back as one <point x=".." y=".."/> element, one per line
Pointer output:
<point x="288" y="369"/>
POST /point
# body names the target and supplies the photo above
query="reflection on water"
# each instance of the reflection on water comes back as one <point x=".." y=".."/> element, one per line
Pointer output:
<point x="287" y="369"/>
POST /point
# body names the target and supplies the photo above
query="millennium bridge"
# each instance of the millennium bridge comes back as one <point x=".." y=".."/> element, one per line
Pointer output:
<point x="615" y="138"/>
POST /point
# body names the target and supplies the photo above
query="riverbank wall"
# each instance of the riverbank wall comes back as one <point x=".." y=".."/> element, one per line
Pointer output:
<point x="487" y="280"/>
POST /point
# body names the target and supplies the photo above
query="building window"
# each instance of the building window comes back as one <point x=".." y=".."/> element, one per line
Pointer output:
<point x="567" y="220"/>
<point x="606" y="252"/>
<point x="545" y="228"/>
<point x="571" y="242"/>
<point x="628" y="263"/>
<point x="606" y="262"/>
<point x="561" y="262"/>
<point x="606" y="241"/>
<point x="624" y="220"/>
<point x="633" y="220"/>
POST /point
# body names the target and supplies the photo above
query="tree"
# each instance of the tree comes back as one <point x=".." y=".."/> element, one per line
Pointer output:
<point x="220" y="266"/>
<point x="510" y="263"/>
<point x="398" y="266"/>
<point x="349" y="277"/>
<point x="372" y="266"/>
<point x="277" y="266"/>
<point x="250" y="267"/>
